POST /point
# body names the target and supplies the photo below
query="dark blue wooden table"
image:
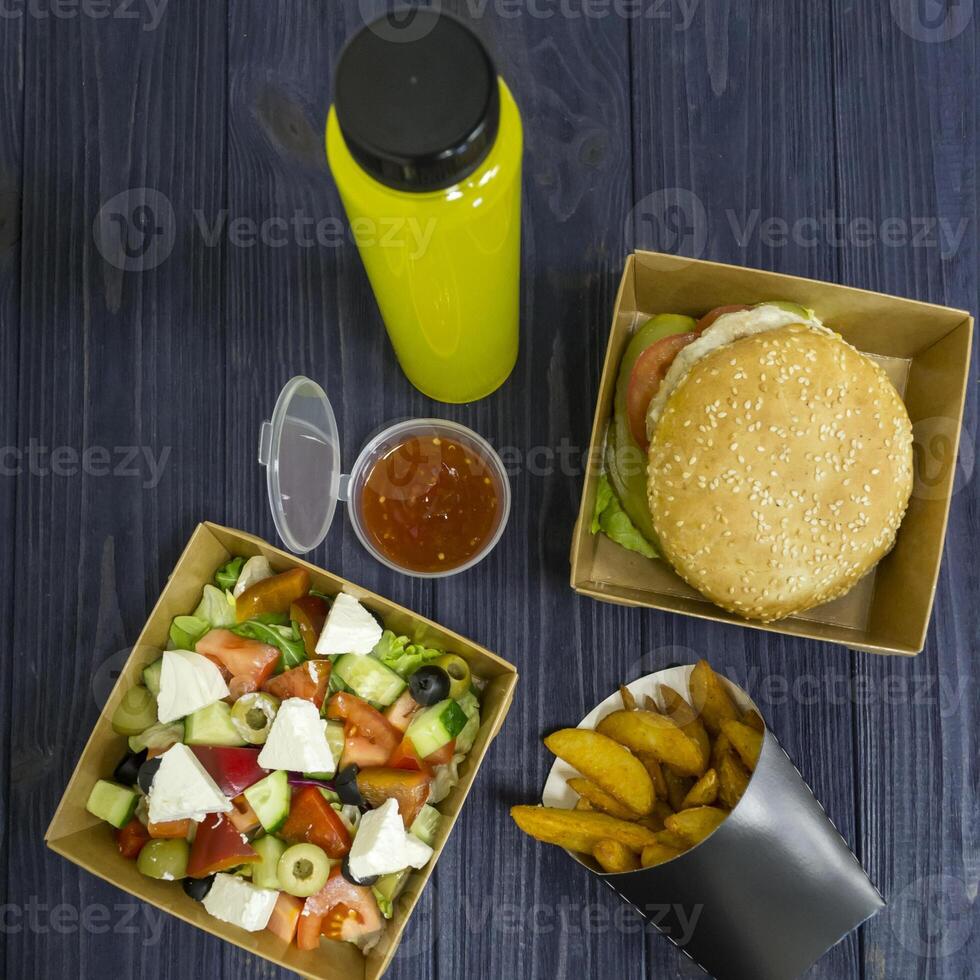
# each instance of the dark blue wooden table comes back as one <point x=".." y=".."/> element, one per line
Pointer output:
<point x="836" y="140"/>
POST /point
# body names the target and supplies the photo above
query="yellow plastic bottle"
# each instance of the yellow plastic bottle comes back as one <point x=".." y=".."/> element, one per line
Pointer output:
<point x="424" y="141"/>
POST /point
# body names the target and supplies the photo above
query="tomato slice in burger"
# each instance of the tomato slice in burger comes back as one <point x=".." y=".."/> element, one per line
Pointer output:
<point x="718" y="311"/>
<point x="648" y="373"/>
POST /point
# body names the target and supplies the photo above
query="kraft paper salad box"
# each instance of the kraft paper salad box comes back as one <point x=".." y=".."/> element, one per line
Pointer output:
<point x="770" y="890"/>
<point x="924" y="349"/>
<point x="88" y="842"/>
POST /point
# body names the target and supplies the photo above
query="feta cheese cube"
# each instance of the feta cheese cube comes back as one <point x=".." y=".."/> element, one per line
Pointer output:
<point x="242" y="904"/>
<point x="349" y="628"/>
<point x="188" y="682"/>
<point x="298" y="739"/>
<point x="382" y="846"/>
<point x="183" y="789"/>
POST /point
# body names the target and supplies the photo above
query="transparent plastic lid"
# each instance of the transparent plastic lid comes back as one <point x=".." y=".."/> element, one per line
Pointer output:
<point x="300" y="448"/>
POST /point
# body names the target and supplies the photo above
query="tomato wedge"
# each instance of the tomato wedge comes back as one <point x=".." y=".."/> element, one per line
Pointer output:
<point x="718" y="311"/>
<point x="239" y="655"/>
<point x="285" y="917"/>
<point x="308" y="930"/>
<point x="131" y="838"/>
<point x="307" y="681"/>
<point x="441" y="756"/>
<point x="309" y="613"/>
<point x="401" y="712"/>
<point x="405" y="757"/>
<point x="649" y="371"/>
<point x="272" y="595"/>
<point x="345" y="911"/>
<point x="311" y="818"/>
<point x="369" y="738"/>
<point x="218" y="846"/>
<point x="409" y="790"/>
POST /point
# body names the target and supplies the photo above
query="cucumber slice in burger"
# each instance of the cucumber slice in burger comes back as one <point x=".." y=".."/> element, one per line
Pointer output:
<point x="804" y="313"/>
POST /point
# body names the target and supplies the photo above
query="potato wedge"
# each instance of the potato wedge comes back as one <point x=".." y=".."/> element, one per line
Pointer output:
<point x="733" y="779"/>
<point x="606" y="763"/>
<point x="695" y="824"/>
<point x="579" y="830"/>
<point x="652" y="765"/>
<point x="615" y="857"/>
<point x="677" y="787"/>
<point x="629" y="702"/>
<point x="711" y="698"/>
<point x="719" y="750"/>
<point x="599" y="799"/>
<point x="679" y="711"/>
<point x="754" y="720"/>
<point x="655" y="819"/>
<point x="704" y="792"/>
<point x="644" y="731"/>
<point x="746" y="741"/>
<point x="654" y="854"/>
<point x="583" y="804"/>
<point x="674" y="841"/>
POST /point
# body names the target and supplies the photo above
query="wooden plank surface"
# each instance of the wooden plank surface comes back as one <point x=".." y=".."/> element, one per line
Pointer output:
<point x="703" y="128"/>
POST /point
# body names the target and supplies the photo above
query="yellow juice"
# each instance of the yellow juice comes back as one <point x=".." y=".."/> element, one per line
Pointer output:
<point x="444" y="265"/>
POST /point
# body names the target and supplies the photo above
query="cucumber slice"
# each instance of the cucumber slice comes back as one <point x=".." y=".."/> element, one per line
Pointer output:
<point x="387" y="888"/>
<point x="135" y="713"/>
<point x="269" y="798"/>
<point x="151" y="676"/>
<point x="471" y="708"/>
<point x="159" y="736"/>
<point x="433" y="728"/>
<point x="265" y="872"/>
<point x="426" y="824"/>
<point x="113" y="803"/>
<point x="211" y="726"/>
<point x="369" y="678"/>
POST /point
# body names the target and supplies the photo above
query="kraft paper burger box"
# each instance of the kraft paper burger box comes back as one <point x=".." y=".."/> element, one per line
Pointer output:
<point x="925" y="351"/>
<point x="82" y="839"/>
<point x="769" y="891"/>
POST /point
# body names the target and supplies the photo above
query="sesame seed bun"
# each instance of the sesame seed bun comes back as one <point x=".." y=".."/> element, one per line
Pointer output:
<point x="779" y="471"/>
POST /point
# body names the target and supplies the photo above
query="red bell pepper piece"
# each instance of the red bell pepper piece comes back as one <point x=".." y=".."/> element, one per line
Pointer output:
<point x="131" y="838"/>
<point x="232" y="769"/>
<point x="311" y="818"/>
<point x="218" y="846"/>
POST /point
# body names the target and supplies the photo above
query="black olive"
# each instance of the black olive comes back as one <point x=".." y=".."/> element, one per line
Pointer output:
<point x="345" y="785"/>
<point x="147" y="771"/>
<point x="128" y="770"/>
<point x="198" y="888"/>
<point x="346" y="872"/>
<point x="429" y="685"/>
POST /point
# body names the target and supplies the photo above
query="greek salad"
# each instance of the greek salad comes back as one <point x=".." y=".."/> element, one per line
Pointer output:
<point x="286" y="757"/>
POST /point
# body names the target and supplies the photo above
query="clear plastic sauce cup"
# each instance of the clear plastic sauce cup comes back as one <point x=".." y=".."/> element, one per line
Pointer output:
<point x="300" y="448"/>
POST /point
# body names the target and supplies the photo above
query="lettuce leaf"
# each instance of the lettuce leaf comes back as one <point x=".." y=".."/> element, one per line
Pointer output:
<point x="401" y="655"/>
<point x="610" y="518"/>
<point x="216" y="607"/>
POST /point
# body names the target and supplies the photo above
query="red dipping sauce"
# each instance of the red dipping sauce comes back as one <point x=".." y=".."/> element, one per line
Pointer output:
<point x="430" y="503"/>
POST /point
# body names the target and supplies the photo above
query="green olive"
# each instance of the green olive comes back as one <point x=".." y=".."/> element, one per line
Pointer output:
<point x="303" y="870"/>
<point x="459" y="673"/>
<point x="252" y="716"/>
<point x="164" y="859"/>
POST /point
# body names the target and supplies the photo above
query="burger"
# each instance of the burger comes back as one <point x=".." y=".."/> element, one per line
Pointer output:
<point x="766" y="459"/>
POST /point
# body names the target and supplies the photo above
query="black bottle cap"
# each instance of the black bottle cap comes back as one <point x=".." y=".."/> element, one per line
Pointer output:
<point x="417" y="100"/>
